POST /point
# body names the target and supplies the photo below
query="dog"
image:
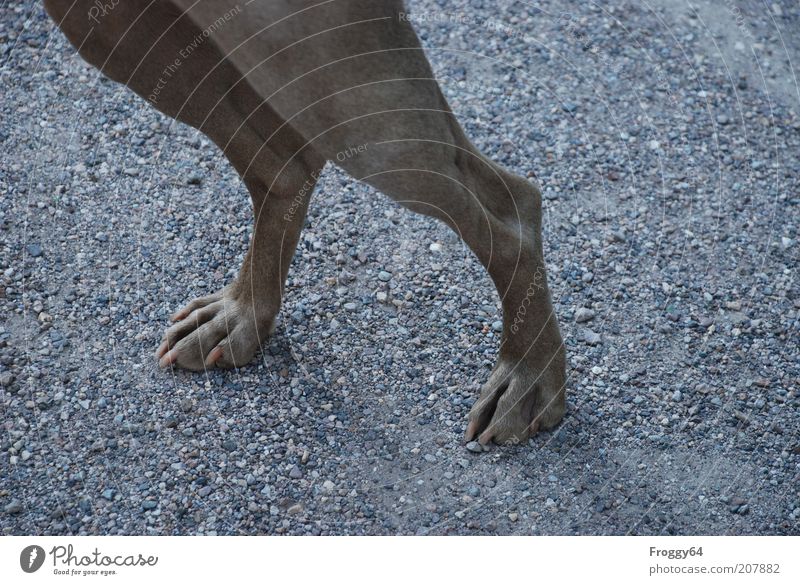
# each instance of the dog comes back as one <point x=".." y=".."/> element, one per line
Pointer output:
<point x="284" y="86"/>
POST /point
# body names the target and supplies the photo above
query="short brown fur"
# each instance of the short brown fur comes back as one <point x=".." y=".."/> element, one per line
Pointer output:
<point x="282" y="87"/>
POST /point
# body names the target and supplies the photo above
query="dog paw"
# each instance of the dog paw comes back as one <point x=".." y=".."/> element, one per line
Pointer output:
<point x="218" y="330"/>
<point x="518" y="401"/>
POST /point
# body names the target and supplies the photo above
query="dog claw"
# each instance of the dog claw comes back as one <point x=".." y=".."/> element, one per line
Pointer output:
<point x="214" y="355"/>
<point x="517" y="402"/>
<point x="179" y="316"/>
<point x="162" y="349"/>
<point x="216" y="331"/>
<point x="168" y="358"/>
<point x="472" y="428"/>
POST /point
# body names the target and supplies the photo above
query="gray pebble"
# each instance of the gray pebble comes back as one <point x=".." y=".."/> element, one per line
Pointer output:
<point x="33" y="250"/>
<point x="591" y="337"/>
<point x="583" y="315"/>
<point x="475" y="447"/>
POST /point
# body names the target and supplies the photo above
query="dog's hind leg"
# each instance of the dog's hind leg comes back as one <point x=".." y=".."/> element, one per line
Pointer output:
<point x="383" y="95"/>
<point x="498" y="215"/>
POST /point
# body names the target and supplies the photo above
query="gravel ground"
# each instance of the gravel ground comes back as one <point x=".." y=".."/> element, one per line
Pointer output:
<point x="666" y="137"/>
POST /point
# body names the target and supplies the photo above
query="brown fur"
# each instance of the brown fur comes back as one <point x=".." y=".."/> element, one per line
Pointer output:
<point x="282" y="86"/>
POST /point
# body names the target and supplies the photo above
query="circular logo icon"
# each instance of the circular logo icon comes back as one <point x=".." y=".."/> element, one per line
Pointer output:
<point x="31" y="558"/>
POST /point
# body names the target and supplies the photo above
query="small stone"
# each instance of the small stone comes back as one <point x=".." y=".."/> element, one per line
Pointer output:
<point x="513" y="516"/>
<point x="6" y="379"/>
<point x="229" y="445"/>
<point x="204" y="491"/>
<point x="294" y="509"/>
<point x="384" y="276"/>
<point x="587" y="277"/>
<point x="33" y="250"/>
<point x="677" y="395"/>
<point x="295" y="472"/>
<point x="328" y="485"/>
<point x="108" y="494"/>
<point x="186" y="405"/>
<point x="738" y="505"/>
<point x="350" y="306"/>
<point x="474" y="447"/>
<point x="194" y="178"/>
<point x="591" y="337"/>
<point x="436" y="247"/>
<point x="497" y="326"/>
<point x="149" y="505"/>
<point x="583" y="315"/>
<point x="381" y="296"/>
<point x="14" y="507"/>
<point x="618" y="237"/>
